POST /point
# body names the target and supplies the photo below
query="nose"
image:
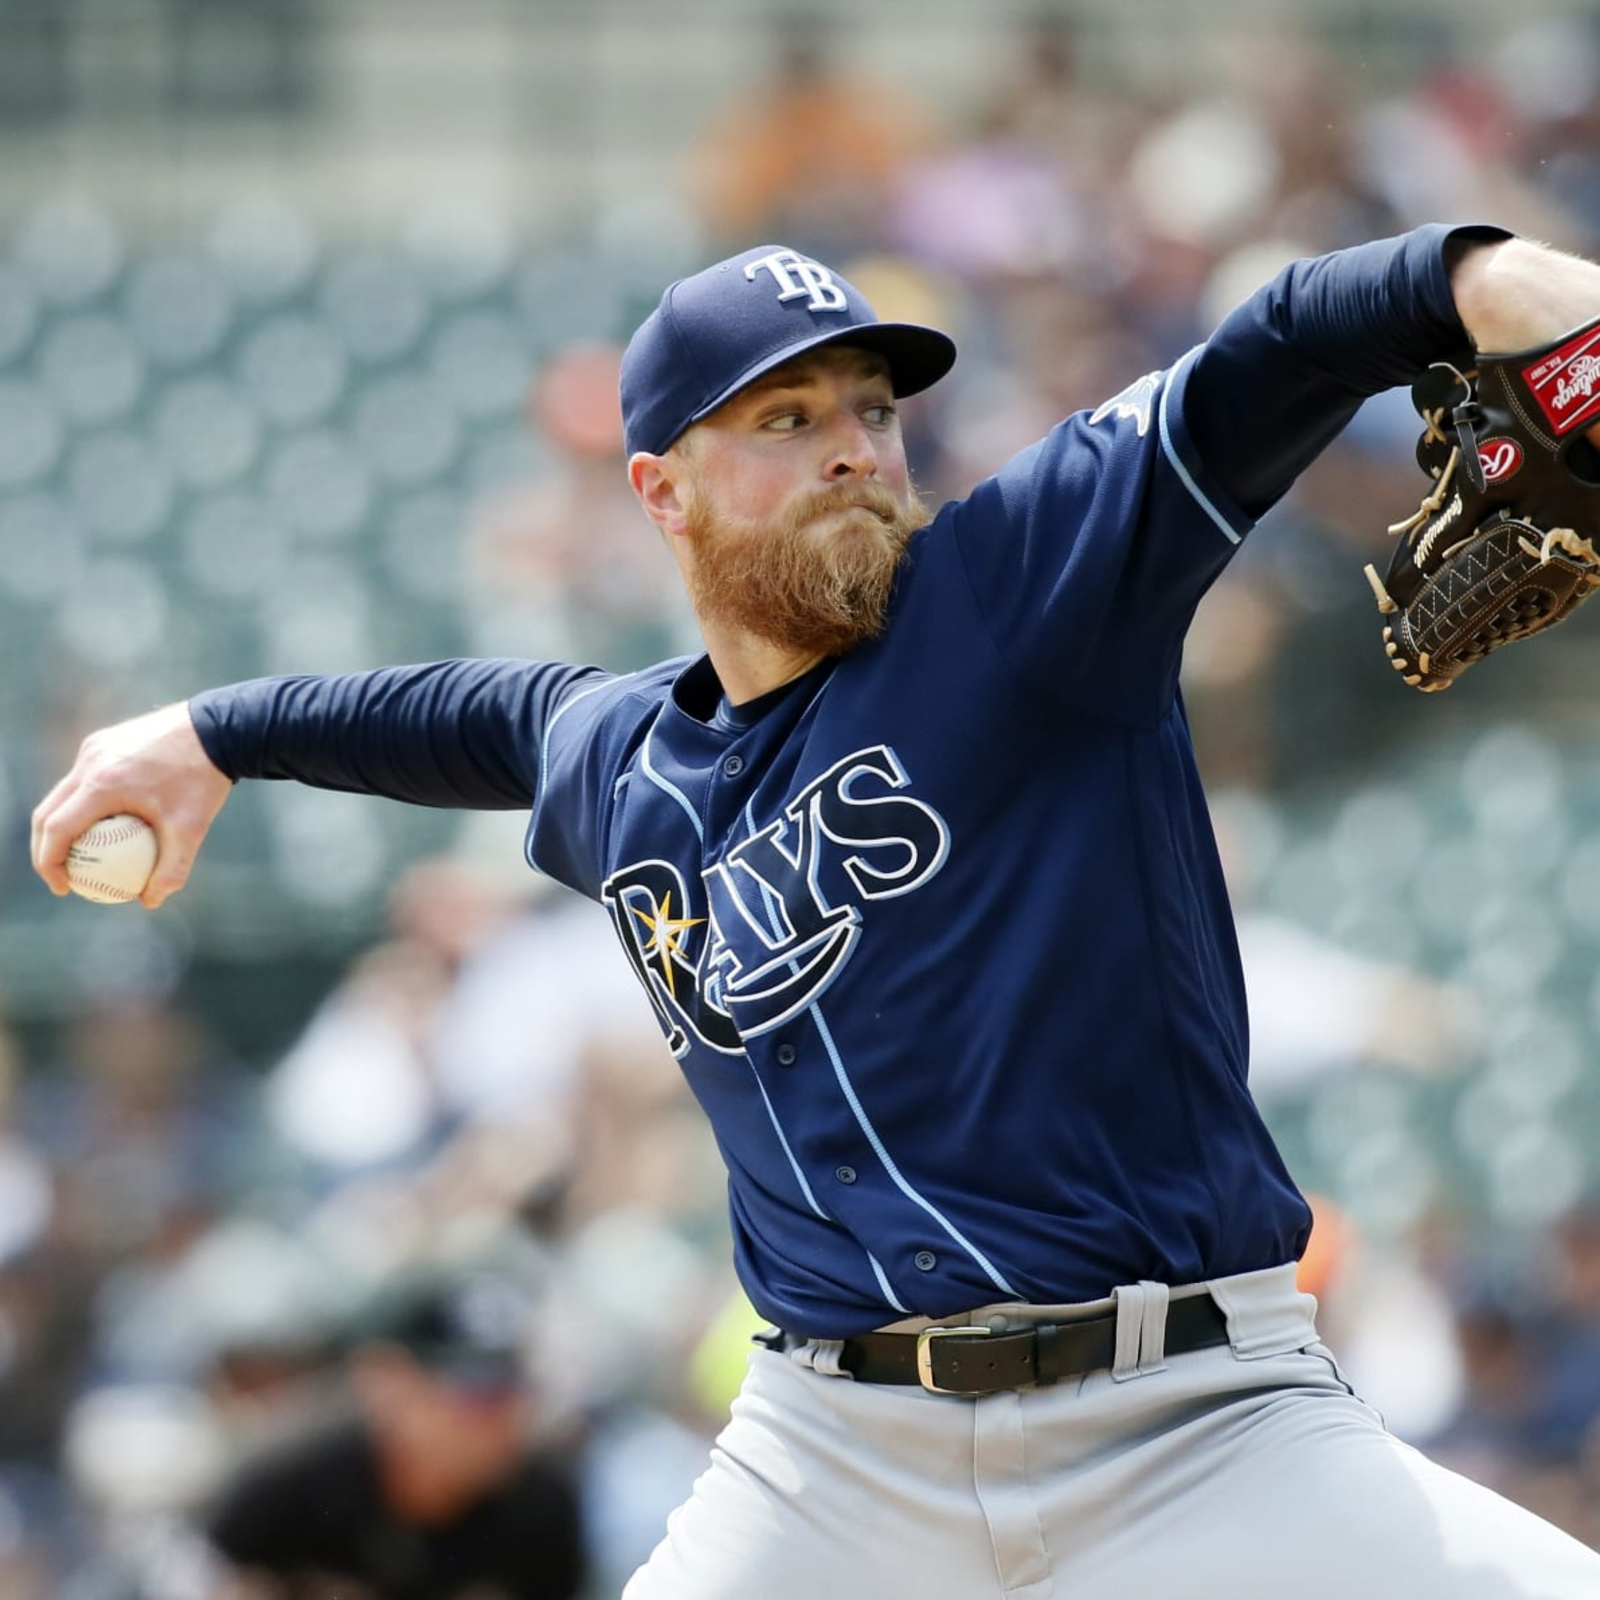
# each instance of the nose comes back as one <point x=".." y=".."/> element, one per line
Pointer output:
<point x="853" y="452"/>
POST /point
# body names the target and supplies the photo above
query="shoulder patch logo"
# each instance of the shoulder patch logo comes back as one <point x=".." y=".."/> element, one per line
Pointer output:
<point x="1136" y="401"/>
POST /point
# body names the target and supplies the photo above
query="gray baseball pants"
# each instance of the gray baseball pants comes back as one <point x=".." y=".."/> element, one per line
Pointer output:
<point x="1250" y="1471"/>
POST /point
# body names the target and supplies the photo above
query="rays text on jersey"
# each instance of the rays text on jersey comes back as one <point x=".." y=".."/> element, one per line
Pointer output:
<point x="778" y="915"/>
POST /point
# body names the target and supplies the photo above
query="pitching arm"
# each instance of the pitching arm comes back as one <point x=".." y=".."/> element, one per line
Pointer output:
<point x="454" y="733"/>
<point x="463" y="734"/>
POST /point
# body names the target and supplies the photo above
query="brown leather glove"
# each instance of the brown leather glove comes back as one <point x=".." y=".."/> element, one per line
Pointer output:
<point x="1502" y="546"/>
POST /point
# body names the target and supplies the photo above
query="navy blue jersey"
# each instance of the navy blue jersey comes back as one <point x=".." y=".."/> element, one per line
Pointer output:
<point x="938" y="932"/>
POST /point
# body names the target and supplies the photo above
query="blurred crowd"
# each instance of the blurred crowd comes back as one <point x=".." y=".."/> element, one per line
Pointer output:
<point x="193" y="1241"/>
<point x="197" y="1251"/>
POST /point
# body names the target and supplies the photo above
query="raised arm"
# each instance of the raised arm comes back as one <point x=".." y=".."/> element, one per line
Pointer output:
<point x="1503" y="329"/>
<point x="1287" y="370"/>
<point x="1514" y="294"/>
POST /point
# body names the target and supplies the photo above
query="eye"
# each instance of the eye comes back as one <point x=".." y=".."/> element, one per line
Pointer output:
<point x="784" y="422"/>
<point x="880" y="416"/>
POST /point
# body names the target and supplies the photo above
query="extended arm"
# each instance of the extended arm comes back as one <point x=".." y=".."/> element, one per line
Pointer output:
<point x="453" y="733"/>
<point x="1287" y="370"/>
<point x="446" y="733"/>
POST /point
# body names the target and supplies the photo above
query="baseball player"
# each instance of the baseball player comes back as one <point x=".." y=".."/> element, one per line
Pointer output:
<point x="914" y="866"/>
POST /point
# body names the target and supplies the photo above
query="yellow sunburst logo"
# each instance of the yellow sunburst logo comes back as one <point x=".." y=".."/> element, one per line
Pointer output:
<point x="666" y="938"/>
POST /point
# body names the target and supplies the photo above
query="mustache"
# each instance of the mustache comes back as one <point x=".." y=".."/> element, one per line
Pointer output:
<point x="873" y="497"/>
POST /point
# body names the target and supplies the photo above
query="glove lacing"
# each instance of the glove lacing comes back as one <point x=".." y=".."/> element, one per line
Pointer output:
<point x="1571" y="545"/>
<point x="1432" y="505"/>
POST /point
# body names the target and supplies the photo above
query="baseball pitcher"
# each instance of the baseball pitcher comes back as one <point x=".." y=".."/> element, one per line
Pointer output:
<point x="914" y="865"/>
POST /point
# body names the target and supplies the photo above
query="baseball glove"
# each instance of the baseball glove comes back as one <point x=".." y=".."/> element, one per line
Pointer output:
<point x="1502" y="546"/>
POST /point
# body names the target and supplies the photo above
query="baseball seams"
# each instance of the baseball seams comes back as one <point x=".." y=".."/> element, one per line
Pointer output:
<point x="112" y="861"/>
<point x="94" y="889"/>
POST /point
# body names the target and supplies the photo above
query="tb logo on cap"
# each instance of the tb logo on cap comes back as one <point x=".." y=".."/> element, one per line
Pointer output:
<point x="814" y="280"/>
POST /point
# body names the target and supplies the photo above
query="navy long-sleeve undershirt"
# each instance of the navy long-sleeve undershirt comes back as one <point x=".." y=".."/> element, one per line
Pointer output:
<point x="461" y="734"/>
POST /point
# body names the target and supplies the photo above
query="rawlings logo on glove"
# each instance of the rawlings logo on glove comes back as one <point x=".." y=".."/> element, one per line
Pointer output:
<point x="1499" y="459"/>
<point x="1565" y="381"/>
<point x="1502" y="546"/>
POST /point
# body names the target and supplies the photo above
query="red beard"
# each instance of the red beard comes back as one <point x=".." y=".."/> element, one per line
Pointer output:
<point x="811" y="591"/>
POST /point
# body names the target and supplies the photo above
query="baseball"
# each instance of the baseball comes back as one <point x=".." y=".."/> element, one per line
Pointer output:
<point x="113" y="860"/>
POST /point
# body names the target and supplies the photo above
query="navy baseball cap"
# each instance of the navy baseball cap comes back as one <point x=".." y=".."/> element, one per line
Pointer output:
<point x="724" y="327"/>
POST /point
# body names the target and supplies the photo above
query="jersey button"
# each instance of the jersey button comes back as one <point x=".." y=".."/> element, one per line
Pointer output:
<point x="786" y="1054"/>
<point x="845" y="1174"/>
<point x="733" y="766"/>
<point x="925" y="1260"/>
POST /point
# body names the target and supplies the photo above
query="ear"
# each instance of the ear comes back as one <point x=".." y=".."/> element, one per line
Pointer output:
<point x="655" y="480"/>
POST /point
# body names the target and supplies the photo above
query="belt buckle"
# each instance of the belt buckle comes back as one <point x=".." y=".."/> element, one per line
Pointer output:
<point x="925" y="1341"/>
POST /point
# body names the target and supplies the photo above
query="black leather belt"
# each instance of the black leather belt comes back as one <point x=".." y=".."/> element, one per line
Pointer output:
<point x="975" y="1361"/>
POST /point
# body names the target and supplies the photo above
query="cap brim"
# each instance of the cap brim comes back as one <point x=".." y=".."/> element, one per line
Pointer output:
<point x="918" y="358"/>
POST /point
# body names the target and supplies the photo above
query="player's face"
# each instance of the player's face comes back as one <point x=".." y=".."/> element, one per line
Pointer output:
<point x="799" y="504"/>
